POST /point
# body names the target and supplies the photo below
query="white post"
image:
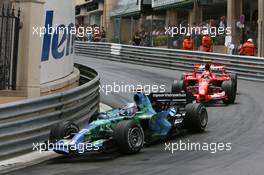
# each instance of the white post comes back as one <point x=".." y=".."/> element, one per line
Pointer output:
<point x="30" y="46"/>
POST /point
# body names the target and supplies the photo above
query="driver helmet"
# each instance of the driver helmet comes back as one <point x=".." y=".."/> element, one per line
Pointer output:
<point x="129" y="110"/>
<point x="172" y="112"/>
<point x="207" y="67"/>
<point x="250" y="40"/>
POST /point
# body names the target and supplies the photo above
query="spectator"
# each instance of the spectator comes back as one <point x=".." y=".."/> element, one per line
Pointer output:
<point x="207" y="42"/>
<point x="248" y="48"/>
<point x="137" y="39"/>
<point x="155" y="32"/>
<point x="90" y="37"/>
<point x="103" y="35"/>
<point x="222" y="23"/>
<point x="188" y="43"/>
<point x="196" y="35"/>
<point x="161" y="31"/>
<point x="146" y="39"/>
<point x="212" y="23"/>
<point x="96" y="35"/>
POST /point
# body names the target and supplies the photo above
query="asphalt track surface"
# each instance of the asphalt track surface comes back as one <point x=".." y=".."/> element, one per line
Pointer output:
<point x="242" y="124"/>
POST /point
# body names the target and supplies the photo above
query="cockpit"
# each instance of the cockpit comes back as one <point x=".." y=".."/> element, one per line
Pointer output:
<point x="141" y="104"/>
<point x="129" y="110"/>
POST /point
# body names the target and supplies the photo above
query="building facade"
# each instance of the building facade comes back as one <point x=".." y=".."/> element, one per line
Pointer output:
<point x="245" y="17"/>
<point x="95" y="12"/>
<point x="90" y="12"/>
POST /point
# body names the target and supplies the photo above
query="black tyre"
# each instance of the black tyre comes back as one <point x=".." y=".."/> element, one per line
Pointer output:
<point x="177" y="86"/>
<point x="63" y="130"/>
<point x="93" y="118"/>
<point x="234" y="79"/>
<point x="196" y="117"/>
<point x="129" y="137"/>
<point x="230" y="89"/>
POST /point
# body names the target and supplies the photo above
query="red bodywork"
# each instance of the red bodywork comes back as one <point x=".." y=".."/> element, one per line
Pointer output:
<point x="206" y="89"/>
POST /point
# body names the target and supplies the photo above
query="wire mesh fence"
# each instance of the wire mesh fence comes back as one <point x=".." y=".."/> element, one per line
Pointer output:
<point x="9" y="38"/>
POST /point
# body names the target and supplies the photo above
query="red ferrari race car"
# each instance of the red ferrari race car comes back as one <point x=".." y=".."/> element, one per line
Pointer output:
<point x="208" y="82"/>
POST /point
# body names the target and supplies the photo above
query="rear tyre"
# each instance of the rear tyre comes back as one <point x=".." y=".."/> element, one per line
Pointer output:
<point x="177" y="86"/>
<point x="196" y="118"/>
<point x="63" y="130"/>
<point x="129" y="137"/>
<point x="230" y="89"/>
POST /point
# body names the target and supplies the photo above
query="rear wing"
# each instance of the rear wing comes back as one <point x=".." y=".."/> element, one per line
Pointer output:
<point x="163" y="101"/>
<point x="214" y="67"/>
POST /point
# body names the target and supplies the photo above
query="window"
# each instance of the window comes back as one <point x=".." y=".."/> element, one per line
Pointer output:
<point x="92" y="7"/>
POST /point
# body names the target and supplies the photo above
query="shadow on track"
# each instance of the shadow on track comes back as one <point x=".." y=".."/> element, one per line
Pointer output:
<point x="107" y="157"/>
<point x="86" y="157"/>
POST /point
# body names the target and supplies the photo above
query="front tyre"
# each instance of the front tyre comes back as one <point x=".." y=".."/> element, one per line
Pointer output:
<point x="63" y="130"/>
<point x="234" y="79"/>
<point x="230" y="90"/>
<point x="129" y="137"/>
<point x="196" y="118"/>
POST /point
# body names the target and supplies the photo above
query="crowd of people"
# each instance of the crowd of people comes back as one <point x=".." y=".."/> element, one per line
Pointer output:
<point x="202" y="41"/>
<point x="248" y="48"/>
<point x="142" y="38"/>
<point x="207" y="42"/>
<point x="196" y="39"/>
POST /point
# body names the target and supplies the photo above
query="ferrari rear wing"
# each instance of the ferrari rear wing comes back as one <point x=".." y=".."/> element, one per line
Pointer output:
<point x="214" y="67"/>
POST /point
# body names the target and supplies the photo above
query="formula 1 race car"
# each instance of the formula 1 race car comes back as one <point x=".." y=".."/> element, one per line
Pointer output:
<point x="208" y="82"/>
<point x="150" y="118"/>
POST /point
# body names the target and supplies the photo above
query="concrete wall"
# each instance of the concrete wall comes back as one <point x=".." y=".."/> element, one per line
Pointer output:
<point x="30" y="67"/>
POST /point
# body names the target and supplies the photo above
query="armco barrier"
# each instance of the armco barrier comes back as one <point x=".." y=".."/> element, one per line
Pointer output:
<point x="247" y="68"/>
<point x="27" y="122"/>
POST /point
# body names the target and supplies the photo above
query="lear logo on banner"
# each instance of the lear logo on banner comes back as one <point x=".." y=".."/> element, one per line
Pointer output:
<point x="56" y="43"/>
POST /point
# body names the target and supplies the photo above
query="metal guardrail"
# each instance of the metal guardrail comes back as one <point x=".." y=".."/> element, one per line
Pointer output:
<point x="26" y="122"/>
<point x="247" y="68"/>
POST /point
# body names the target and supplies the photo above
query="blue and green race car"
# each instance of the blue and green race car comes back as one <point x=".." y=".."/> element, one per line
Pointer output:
<point x="150" y="118"/>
